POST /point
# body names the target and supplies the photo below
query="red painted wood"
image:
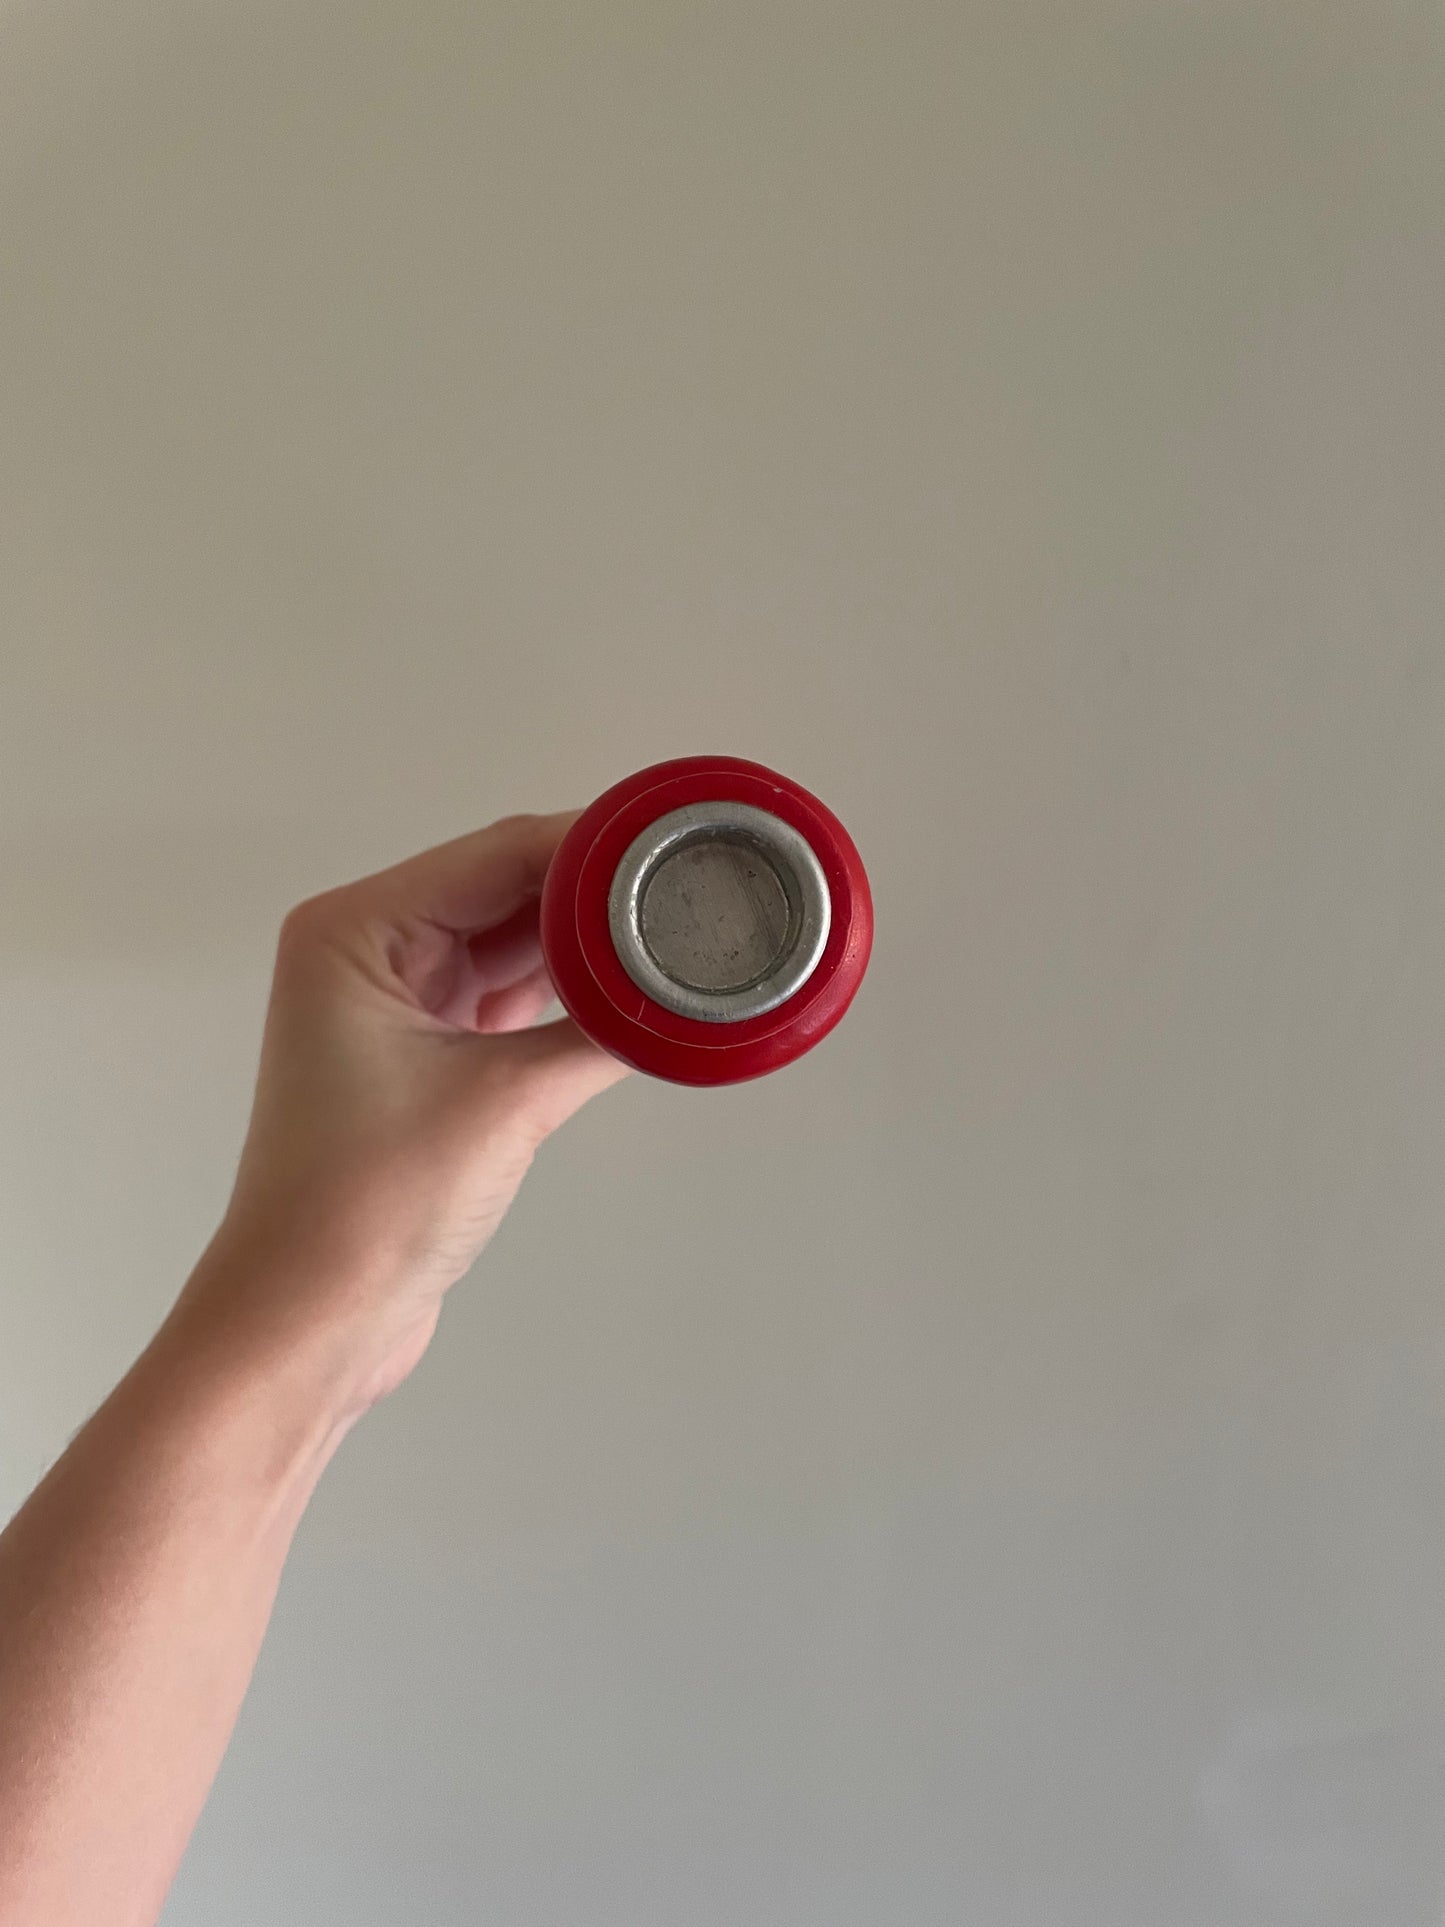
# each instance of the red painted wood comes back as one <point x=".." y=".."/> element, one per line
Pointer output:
<point x="596" y="990"/>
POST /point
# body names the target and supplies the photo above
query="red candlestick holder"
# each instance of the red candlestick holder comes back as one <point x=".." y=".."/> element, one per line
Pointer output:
<point x="707" y="920"/>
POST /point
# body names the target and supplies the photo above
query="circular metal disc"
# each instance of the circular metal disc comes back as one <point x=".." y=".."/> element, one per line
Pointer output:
<point x="719" y="911"/>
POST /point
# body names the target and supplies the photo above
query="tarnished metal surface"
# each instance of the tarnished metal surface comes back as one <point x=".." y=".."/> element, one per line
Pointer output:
<point x="719" y="911"/>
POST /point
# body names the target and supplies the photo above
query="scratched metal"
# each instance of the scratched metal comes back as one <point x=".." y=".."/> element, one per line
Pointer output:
<point x="719" y="911"/>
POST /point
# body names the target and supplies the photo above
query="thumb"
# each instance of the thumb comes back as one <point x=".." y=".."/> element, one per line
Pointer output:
<point x="558" y="1068"/>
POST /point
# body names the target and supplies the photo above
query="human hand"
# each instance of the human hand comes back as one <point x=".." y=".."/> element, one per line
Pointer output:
<point x="404" y="1087"/>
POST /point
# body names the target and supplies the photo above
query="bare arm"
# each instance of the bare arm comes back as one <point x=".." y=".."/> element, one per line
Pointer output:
<point x="403" y="1091"/>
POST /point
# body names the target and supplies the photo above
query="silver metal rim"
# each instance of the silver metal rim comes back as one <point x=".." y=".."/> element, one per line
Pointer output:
<point x="792" y="857"/>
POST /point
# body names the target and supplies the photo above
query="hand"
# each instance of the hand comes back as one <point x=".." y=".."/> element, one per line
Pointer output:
<point x="404" y="1088"/>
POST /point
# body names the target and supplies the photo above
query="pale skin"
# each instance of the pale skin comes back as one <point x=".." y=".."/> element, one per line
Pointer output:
<point x="405" y="1084"/>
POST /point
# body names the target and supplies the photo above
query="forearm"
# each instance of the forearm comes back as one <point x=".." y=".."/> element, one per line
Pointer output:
<point x="135" y="1587"/>
<point x="403" y="1088"/>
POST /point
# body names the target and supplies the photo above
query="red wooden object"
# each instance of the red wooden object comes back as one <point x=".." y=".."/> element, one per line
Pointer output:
<point x="589" y="974"/>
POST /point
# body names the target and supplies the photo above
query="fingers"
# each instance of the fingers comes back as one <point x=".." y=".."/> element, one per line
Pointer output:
<point x="560" y="1069"/>
<point x="474" y="881"/>
<point x="512" y="1006"/>
<point x="507" y="952"/>
<point x="480" y="968"/>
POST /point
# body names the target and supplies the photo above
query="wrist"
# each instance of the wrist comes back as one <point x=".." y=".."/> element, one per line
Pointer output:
<point x="312" y="1332"/>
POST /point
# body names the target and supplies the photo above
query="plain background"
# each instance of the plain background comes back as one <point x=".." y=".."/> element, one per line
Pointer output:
<point x="993" y="1472"/>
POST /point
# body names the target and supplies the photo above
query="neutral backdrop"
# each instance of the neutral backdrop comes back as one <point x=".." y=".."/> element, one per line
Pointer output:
<point x="993" y="1472"/>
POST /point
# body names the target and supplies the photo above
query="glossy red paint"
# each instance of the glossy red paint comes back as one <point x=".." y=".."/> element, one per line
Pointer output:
<point x="596" y="990"/>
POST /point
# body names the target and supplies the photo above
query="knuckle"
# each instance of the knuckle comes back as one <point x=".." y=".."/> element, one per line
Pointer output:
<point x="306" y="924"/>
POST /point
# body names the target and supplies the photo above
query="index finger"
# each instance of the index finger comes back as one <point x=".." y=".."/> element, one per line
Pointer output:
<point x="474" y="881"/>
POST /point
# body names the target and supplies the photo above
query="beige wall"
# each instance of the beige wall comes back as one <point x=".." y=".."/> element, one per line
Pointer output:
<point x="994" y="1472"/>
